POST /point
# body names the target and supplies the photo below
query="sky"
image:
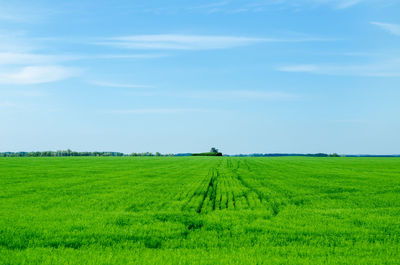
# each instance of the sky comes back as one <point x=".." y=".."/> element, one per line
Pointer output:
<point x="173" y="76"/>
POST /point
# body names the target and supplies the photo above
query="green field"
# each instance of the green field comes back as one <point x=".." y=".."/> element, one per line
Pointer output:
<point x="199" y="210"/>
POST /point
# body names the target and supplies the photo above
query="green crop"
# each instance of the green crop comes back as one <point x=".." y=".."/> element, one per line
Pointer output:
<point x="199" y="210"/>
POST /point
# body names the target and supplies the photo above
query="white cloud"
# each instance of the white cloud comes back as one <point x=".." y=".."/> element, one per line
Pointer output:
<point x="13" y="58"/>
<point x="193" y="42"/>
<point x="44" y="68"/>
<point x="119" y="85"/>
<point x="20" y="63"/>
<point x="377" y="69"/>
<point x="8" y="105"/>
<point x="5" y="16"/>
<point x="357" y="121"/>
<point x="235" y="7"/>
<point x="254" y="6"/>
<point x="243" y="95"/>
<point x="129" y="56"/>
<point x="214" y="7"/>
<point x="336" y="4"/>
<point x="211" y="5"/>
<point x="17" y="12"/>
<point x="391" y="28"/>
<point x="221" y="95"/>
<point x="37" y="75"/>
<point x="347" y="3"/>
<point x="8" y="14"/>
<point x="179" y="42"/>
<point x="156" y="111"/>
<point x="299" y="68"/>
<point x="26" y="58"/>
<point x="14" y="42"/>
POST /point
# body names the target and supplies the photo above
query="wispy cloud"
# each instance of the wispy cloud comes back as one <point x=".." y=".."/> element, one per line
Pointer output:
<point x="243" y="95"/>
<point x="354" y="121"/>
<point x="377" y="69"/>
<point x="391" y="28"/>
<point x="128" y="56"/>
<point x="179" y="42"/>
<point x="11" y="11"/>
<point x="5" y="16"/>
<point x="193" y="42"/>
<point x="14" y="42"/>
<point x="29" y="58"/>
<point x="347" y="3"/>
<point x="305" y="68"/>
<point x="9" y="14"/>
<point x="21" y="65"/>
<point x="220" y="95"/>
<point x="44" y="68"/>
<point x="254" y="95"/>
<point x="211" y="7"/>
<point x="119" y="85"/>
<point x="235" y="7"/>
<point x="335" y="4"/>
<point x="14" y="58"/>
<point x="23" y="60"/>
<point x="37" y="75"/>
<point x="156" y="111"/>
<point x="8" y="105"/>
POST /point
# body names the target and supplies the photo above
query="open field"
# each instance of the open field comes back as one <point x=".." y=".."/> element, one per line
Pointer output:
<point x="199" y="210"/>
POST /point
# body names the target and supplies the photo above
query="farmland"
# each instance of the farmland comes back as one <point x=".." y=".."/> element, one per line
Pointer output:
<point x="199" y="210"/>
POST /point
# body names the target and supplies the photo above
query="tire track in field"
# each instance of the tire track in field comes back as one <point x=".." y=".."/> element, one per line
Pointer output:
<point x="274" y="205"/>
<point x="211" y="191"/>
<point x="217" y="193"/>
<point x="225" y="187"/>
<point x="197" y="192"/>
<point x="221" y="189"/>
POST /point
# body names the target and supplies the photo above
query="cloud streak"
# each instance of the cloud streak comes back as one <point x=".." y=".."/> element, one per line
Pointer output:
<point x="13" y="58"/>
<point x="243" y="95"/>
<point x="347" y="3"/>
<point x="391" y="28"/>
<point x="156" y="111"/>
<point x="192" y="42"/>
<point x="19" y="58"/>
<point x="235" y="7"/>
<point x="378" y="69"/>
<point x="221" y="95"/>
<point x="8" y="105"/>
<point x="179" y="42"/>
<point x="37" y="75"/>
<point x="118" y="85"/>
<point x="23" y="63"/>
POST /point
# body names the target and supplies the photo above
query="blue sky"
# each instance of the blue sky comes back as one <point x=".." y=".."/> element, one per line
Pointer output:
<point x="181" y="76"/>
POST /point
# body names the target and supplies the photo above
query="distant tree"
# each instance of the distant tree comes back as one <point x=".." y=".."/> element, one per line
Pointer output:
<point x="158" y="154"/>
<point x="213" y="150"/>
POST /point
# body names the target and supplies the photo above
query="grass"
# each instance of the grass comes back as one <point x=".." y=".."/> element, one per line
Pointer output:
<point x="199" y="210"/>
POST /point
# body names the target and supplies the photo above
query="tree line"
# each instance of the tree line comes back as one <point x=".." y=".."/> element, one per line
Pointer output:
<point x="213" y="152"/>
<point x="278" y="154"/>
<point x="68" y="152"/>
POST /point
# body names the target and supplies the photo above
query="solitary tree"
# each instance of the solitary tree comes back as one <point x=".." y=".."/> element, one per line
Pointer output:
<point x="213" y="150"/>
